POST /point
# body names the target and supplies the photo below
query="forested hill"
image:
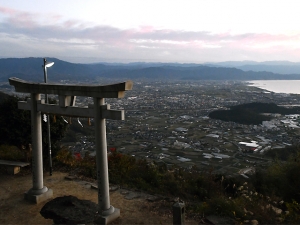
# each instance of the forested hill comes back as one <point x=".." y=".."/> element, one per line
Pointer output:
<point x="251" y="113"/>
<point x="260" y="107"/>
<point x="31" y="69"/>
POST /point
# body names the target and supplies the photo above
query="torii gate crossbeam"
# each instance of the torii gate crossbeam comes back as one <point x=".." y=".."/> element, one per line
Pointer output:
<point x="100" y="111"/>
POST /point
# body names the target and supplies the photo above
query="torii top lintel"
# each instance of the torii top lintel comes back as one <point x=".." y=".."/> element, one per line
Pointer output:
<point x="105" y="91"/>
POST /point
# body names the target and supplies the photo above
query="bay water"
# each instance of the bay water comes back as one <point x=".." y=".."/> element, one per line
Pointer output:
<point x="277" y="86"/>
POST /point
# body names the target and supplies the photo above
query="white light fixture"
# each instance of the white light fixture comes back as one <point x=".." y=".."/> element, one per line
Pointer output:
<point x="49" y="64"/>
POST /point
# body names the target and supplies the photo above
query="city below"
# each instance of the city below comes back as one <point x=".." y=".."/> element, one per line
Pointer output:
<point x="167" y="122"/>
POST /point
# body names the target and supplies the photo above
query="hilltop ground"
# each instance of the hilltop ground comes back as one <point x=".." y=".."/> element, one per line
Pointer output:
<point x="15" y="210"/>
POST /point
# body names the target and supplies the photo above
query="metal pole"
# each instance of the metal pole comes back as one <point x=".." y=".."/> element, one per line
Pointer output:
<point x="48" y="122"/>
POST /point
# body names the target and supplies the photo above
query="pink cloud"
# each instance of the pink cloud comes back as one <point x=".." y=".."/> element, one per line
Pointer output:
<point x="7" y="11"/>
<point x="145" y="38"/>
<point x="20" y="21"/>
<point x="55" y="17"/>
<point x="20" y="18"/>
<point x="70" y="24"/>
<point x="146" y="29"/>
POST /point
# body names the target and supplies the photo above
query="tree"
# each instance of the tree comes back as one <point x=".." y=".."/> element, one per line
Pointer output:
<point x="15" y="126"/>
<point x="281" y="178"/>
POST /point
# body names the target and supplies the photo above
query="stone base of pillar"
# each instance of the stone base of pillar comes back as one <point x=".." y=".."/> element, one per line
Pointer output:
<point x="37" y="196"/>
<point x="108" y="218"/>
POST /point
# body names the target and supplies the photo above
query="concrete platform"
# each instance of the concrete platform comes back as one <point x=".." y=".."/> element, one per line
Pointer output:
<point x="40" y="197"/>
<point x="109" y="218"/>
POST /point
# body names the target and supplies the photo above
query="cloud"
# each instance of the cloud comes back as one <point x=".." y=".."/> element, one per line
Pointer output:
<point x="50" y="33"/>
<point x="7" y="11"/>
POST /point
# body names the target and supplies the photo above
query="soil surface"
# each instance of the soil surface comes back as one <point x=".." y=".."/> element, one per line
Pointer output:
<point x="134" y="206"/>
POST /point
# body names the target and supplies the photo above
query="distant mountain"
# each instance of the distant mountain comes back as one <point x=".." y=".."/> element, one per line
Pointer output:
<point x="280" y="67"/>
<point x="30" y="69"/>
<point x="232" y="63"/>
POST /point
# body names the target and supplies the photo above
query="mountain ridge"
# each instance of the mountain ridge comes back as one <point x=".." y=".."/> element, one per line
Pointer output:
<point x="31" y="69"/>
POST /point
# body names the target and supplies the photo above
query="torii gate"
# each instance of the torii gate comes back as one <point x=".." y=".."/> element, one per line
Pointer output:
<point x="100" y="111"/>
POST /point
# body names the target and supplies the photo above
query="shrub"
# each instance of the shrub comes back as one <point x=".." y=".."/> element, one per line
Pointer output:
<point x="218" y="194"/>
<point x="65" y="158"/>
<point x="88" y="167"/>
<point x="293" y="216"/>
<point x="281" y="178"/>
<point x="8" y="152"/>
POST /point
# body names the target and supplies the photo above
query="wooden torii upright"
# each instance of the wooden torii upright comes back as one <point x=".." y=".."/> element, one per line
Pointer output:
<point x="100" y="111"/>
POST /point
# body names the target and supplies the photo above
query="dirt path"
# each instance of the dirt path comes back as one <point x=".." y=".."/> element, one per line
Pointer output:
<point x="15" y="210"/>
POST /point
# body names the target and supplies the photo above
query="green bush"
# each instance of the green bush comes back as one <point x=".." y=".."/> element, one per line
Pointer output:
<point x="293" y="217"/>
<point x="281" y="179"/>
<point x="12" y="153"/>
<point x="65" y="158"/>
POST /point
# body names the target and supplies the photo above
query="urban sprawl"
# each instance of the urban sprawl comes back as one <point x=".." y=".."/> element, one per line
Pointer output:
<point x="167" y="122"/>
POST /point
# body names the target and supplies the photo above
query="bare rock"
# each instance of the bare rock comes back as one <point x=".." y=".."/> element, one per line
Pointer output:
<point x="132" y="195"/>
<point x="113" y="188"/>
<point x="153" y="198"/>
<point x="244" y="192"/>
<point x="250" y="213"/>
<point x="69" y="210"/>
<point x="70" y="177"/>
<point x="94" y="186"/>
<point x="124" y="192"/>
<point x="277" y="210"/>
<point x="254" y="222"/>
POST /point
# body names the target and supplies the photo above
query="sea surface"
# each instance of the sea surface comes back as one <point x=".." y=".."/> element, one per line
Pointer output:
<point x="277" y="86"/>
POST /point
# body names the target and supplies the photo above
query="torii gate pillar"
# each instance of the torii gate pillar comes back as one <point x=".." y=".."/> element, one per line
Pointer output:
<point x="38" y="193"/>
<point x="108" y="213"/>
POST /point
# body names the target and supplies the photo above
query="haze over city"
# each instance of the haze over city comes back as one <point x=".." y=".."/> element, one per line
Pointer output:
<point x="151" y="31"/>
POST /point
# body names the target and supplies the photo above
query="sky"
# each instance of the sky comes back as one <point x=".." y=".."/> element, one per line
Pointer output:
<point x="183" y="31"/>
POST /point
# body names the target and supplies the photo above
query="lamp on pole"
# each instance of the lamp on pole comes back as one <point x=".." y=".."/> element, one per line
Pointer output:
<point x="46" y="65"/>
